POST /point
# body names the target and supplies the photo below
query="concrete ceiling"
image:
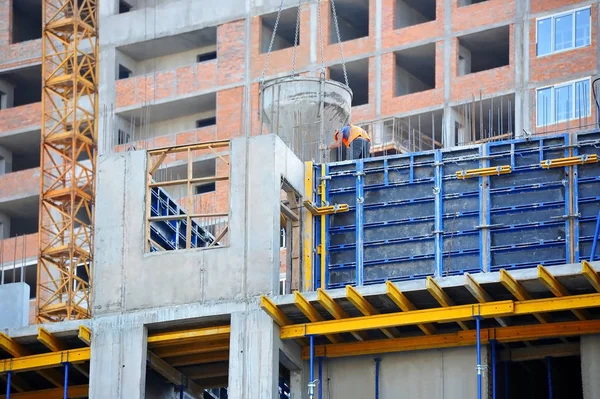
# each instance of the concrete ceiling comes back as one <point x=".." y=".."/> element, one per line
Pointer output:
<point x="171" y="44"/>
<point x="419" y="61"/>
<point x="173" y="109"/>
<point x="287" y="24"/>
<point x="487" y="41"/>
<point x="24" y="75"/>
<point x="21" y="208"/>
<point x="424" y="7"/>
<point x="27" y="142"/>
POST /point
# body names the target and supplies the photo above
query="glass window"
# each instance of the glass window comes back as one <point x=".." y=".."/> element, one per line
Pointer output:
<point x="544" y="107"/>
<point x="582" y="99"/>
<point x="582" y="28"/>
<point x="563" y="98"/>
<point x="563" y="32"/>
<point x="544" y="36"/>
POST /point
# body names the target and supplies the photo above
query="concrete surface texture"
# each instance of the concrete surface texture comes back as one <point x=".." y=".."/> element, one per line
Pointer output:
<point x="14" y="305"/>
<point x="590" y="366"/>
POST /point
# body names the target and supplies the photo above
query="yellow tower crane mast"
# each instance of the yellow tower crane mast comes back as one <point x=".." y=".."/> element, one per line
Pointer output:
<point x="68" y="159"/>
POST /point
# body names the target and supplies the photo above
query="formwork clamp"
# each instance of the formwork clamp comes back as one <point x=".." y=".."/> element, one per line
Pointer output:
<point x="325" y="210"/>
<point x="492" y="171"/>
<point x="570" y="161"/>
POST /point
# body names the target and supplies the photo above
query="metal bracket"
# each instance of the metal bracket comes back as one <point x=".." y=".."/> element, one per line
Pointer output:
<point x="565" y="217"/>
<point x="488" y="226"/>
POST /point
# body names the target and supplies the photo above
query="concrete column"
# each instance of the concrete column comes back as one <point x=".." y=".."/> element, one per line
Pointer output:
<point x="590" y="366"/>
<point x="118" y="364"/>
<point x="107" y="8"/>
<point x="107" y="95"/>
<point x="8" y="94"/>
<point x="523" y="119"/>
<point x="5" y="161"/>
<point x="253" y="356"/>
<point x="4" y="226"/>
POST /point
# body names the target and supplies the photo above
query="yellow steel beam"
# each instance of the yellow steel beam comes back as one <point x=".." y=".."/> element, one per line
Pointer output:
<point x="325" y="210"/>
<point x="272" y="310"/>
<point x="442" y="315"/>
<point x="406" y="305"/>
<point x="481" y="295"/>
<point x="308" y="228"/>
<point x="191" y="348"/>
<point x="569" y="161"/>
<point x="558" y="289"/>
<point x="74" y="392"/>
<point x="365" y="307"/>
<point x="491" y="171"/>
<point x="174" y="376"/>
<point x="199" y="358"/>
<point x="17" y="350"/>
<point x="312" y="314"/>
<point x="188" y="336"/>
<point x="85" y="335"/>
<point x="591" y="275"/>
<point x="336" y="311"/>
<point x="44" y="361"/>
<point x="460" y="338"/>
<point x="518" y="292"/>
<point x="206" y="371"/>
<point x="50" y="341"/>
<point x="443" y="299"/>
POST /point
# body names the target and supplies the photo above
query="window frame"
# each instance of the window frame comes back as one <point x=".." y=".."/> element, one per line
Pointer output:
<point x="552" y="31"/>
<point x="553" y="88"/>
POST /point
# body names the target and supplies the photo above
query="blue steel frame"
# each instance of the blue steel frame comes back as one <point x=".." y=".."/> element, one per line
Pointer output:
<point x="411" y="217"/>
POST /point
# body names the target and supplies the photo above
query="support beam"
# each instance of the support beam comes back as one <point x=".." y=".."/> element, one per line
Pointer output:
<point x="336" y="311"/>
<point x="200" y="358"/>
<point x="481" y="295"/>
<point x="56" y="345"/>
<point x="174" y="376"/>
<point x="85" y="335"/>
<point x="16" y="350"/>
<point x="365" y="307"/>
<point x="75" y="392"/>
<point x="44" y="361"/>
<point x="458" y="339"/>
<point x="591" y="275"/>
<point x="272" y="310"/>
<point x="406" y="305"/>
<point x="191" y="348"/>
<point x="189" y="336"/>
<point x="312" y="314"/>
<point x="443" y="299"/>
<point x="442" y="315"/>
<point x="558" y="289"/>
<point x="540" y="352"/>
<point x="210" y="383"/>
<point x="206" y="371"/>
<point x="518" y="292"/>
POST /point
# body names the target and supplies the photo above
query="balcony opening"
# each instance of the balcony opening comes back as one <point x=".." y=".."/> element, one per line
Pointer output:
<point x="484" y="50"/>
<point x="124" y="73"/>
<point x="170" y="52"/>
<point x="358" y="79"/>
<point x="124" y="7"/>
<point x="485" y="120"/>
<point x="353" y="20"/>
<point x="415" y="70"/>
<point x="26" y="20"/>
<point x="25" y="86"/>
<point x="413" y="12"/>
<point x="286" y="30"/>
<point x="200" y="123"/>
<point x="463" y="3"/>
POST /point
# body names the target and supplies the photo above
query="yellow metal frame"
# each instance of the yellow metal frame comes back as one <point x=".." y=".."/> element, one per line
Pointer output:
<point x="569" y="161"/>
<point x="481" y="295"/>
<point x="312" y="314"/>
<point x="74" y="392"/>
<point x="45" y="360"/>
<point x="325" y="210"/>
<point x="69" y="137"/>
<point x="406" y="305"/>
<point x="558" y="289"/>
<point x="443" y="299"/>
<point x="156" y="340"/>
<point x="366" y="308"/>
<point x="308" y="228"/>
<point x="492" y="171"/>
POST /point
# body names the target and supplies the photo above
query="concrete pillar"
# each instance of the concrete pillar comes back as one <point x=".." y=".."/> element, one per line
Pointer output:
<point x="7" y="97"/>
<point x="107" y="95"/>
<point x="4" y="226"/>
<point x="5" y="161"/>
<point x="253" y="356"/>
<point x="590" y="366"/>
<point x="107" y="8"/>
<point x="118" y="364"/>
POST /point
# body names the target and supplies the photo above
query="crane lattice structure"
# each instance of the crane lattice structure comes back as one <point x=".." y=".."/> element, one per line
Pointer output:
<point x="68" y="159"/>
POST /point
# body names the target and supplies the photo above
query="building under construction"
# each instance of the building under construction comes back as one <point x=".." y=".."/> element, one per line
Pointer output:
<point x="174" y="225"/>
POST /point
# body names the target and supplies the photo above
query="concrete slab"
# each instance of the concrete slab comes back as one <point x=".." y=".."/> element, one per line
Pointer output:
<point x="14" y="305"/>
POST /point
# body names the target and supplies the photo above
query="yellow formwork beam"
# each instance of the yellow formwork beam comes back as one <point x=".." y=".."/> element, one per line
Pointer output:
<point x="44" y="361"/>
<point x="308" y="229"/>
<point x="491" y="171"/>
<point x="558" y="289"/>
<point x="443" y="299"/>
<point x="405" y="304"/>
<point x="312" y="314"/>
<point x="188" y="336"/>
<point x="199" y="358"/>
<point x="191" y="348"/>
<point x="442" y="315"/>
<point x="591" y="275"/>
<point x="74" y="392"/>
<point x="481" y="295"/>
<point x="85" y="335"/>
<point x="325" y="210"/>
<point x="50" y="341"/>
<point x="518" y="292"/>
<point x="569" y="161"/>
<point x="460" y="338"/>
<point x="336" y="311"/>
<point x="272" y="310"/>
<point x="365" y="307"/>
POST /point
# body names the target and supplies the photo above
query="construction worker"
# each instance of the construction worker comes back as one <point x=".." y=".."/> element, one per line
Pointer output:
<point x="356" y="140"/>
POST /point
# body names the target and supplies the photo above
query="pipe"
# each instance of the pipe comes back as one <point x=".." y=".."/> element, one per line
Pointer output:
<point x="311" y="384"/>
<point x="479" y="381"/>
<point x="549" y="366"/>
<point x="181" y="389"/>
<point x="66" y="386"/>
<point x="8" y="378"/>
<point x="506" y="376"/>
<point x="493" y="343"/>
<point x="377" y="365"/>
<point x="320" y="378"/>
<point x="596" y="233"/>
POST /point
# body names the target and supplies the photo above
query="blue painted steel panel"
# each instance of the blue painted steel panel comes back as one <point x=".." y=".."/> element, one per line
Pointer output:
<point x="588" y="194"/>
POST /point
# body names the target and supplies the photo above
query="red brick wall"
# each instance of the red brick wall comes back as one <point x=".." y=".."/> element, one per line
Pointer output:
<point x="549" y="5"/>
<point x="231" y="52"/>
<point x="230" y="113"/>
<point x="482" y="14"/>
<point x="391" y="37"/>
<point x="21" y="183"/>
<point x="9" y="245"/>
<point x="23" y="117"/>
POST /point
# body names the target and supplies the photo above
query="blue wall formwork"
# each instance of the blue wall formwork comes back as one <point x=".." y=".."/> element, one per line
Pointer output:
<point x="411" y="216"/>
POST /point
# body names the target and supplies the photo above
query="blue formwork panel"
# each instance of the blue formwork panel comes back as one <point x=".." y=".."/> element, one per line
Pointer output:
<point x="587" y="186"/>
<point x="410" y="216"/>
